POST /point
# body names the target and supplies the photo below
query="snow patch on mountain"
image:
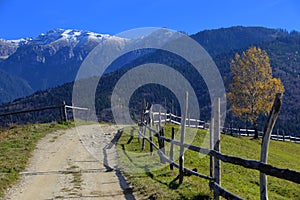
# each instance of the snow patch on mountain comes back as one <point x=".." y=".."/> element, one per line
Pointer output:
<point x="54" y="40"/>
<point x="8" y="47"/>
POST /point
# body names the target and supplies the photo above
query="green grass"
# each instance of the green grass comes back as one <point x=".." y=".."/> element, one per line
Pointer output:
<point x="150" y="179"/>
<point x="16" y="146"/>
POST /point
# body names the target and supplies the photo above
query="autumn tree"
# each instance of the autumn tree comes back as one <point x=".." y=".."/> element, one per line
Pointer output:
<point x="253" y="87"/>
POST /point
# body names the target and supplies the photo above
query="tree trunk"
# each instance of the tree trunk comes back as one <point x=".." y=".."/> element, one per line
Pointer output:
<point x="255" y="131"/>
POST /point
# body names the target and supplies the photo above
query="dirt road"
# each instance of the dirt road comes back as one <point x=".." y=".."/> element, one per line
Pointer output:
<point x="63" y="168"/>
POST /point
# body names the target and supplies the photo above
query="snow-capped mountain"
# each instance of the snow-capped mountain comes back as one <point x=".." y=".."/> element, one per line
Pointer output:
<point x="50" y="59"/>
<point x="8" y="47"/>
<point x="53" y="58"/>
<point x="54" y="40"/>
<point x="72" y="37"/>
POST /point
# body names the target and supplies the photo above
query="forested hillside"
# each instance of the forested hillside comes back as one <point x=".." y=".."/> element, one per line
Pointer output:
<point x="222" y="44"/>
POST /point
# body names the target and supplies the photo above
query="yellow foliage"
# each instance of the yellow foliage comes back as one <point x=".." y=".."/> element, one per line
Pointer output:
<point x="253" y="88"/>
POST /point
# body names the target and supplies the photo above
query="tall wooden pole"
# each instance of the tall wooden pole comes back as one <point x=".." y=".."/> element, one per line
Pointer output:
<point x="211" y="131"/>
<point x="143" y="140"/>
<point x="150" y="131"/>
<point x="172" y="148"/>
<point x="172" y="108"/>
<point x="159" y="119"/>
<point x="181" y="155"/>
<point x="166" y="110"/>
<point x="265" y="143"/>
<point x="143" y="110"/>
<point x="217" y="163"/>
<point x="64" y="112"/>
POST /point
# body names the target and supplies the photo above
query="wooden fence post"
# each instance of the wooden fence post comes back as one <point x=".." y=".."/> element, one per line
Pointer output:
<point x="181" y="154"/>
<point x="265" y="144"/>
<point x="172" y="107"/>
<point x="217" y="163"/>
<point x="139" y="132"/>
<point x="159" y="119"/>
<point x="142" y="117"/>
<point x="143" y="140"/>
<point x="172" y="148"/>
<point x="151" y="146"/>
<point x="151" y="116"/>
<point x="143" y="110"/>
<point x="150" y="135"/>
<point x="64" y="112"/>
<point x="161" y="144"/>
<point x="211" y="130"/>
<point x="166" y="110"/>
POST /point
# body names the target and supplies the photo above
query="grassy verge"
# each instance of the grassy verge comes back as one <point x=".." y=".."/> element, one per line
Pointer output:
<point x="151" y="179"/>
<point x="16" y="145"/>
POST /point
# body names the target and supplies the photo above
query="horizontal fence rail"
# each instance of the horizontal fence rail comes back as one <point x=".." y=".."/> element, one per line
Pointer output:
<point x="214" y="151"/>
<point x="221" y="191"/>
<point x="196" y="123"/>
<point x="281" y="173"/>
<point x="30" y="110"/>
<point x="63" y="107"/>
<point x="171" y="161"/>
<point x="286" y="174"/>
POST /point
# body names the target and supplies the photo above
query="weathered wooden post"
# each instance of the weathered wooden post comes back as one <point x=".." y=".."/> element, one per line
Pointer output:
<point x="143" y="140"/>
<point x="265" y="144"/>
<point x="151" y="114"/>
<point x="143" y="110"/>
<point x="181" y="154"/>
<point x="216" y="132"/>
<point x="172" y="148"/>
<point x="166" y="110"/>
<point x="161" y="144"/>
<point x="139" y="136"/>
<point x="150" y="136"/>
<point x="159" y="119"/>
<point x="172" y="109"/>
<point x="151" y="146"/>
<point x="211" y="146"/>
<point x="64" y="112"/>
<point x="142" y="117"/>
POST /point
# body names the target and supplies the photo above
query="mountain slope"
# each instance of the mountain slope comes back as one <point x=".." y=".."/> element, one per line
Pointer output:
<point x="12" y="87"/>
<point x="284" y="59"/>
<point x="282" y="47"/>
<point x="53" y="58"/>
<point x="223" y="40"/>
<point x="8" y="47"/>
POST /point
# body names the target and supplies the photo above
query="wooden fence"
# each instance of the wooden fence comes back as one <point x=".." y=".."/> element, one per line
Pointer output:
<point x="214" y="152"/>
<point x="63" y="110"/>
<point x="201" y="124"/>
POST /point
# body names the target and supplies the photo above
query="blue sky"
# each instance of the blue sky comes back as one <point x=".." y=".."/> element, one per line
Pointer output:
<point x="28" y="18"/>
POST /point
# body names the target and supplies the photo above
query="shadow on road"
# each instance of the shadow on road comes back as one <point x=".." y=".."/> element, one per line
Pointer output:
<point x="127" y="190"/>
